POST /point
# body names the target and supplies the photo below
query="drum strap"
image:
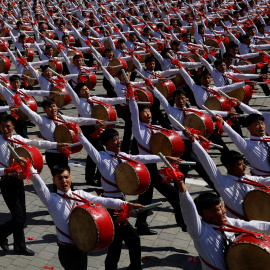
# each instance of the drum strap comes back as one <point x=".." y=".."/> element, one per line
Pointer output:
<point x="252" y="173"/>
<point x="253" y="183"/>
<point x="208" y="264"/>
<point x="144" y="149"/>
<point x="14" y="140"/>
<point x="235" y="213"/>
<point x="111" y="184"/>
<point x="66" y="235"/>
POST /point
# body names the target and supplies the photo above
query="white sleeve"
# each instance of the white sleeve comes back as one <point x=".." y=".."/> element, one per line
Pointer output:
<point x="109" y="77"/>
<point x="163" y="101"/>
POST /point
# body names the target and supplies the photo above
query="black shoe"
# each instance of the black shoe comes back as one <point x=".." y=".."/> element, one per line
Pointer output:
<point x="4" y="245"/>
<point x="24" y="251"/>
<point x="145" y="231"/>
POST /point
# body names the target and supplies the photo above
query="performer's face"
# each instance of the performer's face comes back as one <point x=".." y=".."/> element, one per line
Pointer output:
<point x="150" y="65"/>
<point x="62" y="181"/>
<point x="257" y="128"/>
<point x="205" y="80"/>
<point x="228" y="61"/>
<point x="51" y="110"/>
<point x="113" y="144"/>
<point x="216" y="215"/>
<point x="15" y="84"/>
<point x="221" y="68"/>
<point x="84" y="92"/>
<point x="6" y="129"/>
<point x="180" y="101"/>
<point x="237" y="169"/>
<point x="146" y="116"/>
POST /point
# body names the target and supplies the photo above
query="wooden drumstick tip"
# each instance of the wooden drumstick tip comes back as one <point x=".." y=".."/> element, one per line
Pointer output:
<point x="172" y="119"/>
<point x="13" y="152"/>
<point x="209" y="111"/>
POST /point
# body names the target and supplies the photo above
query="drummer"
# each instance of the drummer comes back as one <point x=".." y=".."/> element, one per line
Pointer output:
<point x="70" y="257"/>
<point x="107" y="162"/>
<point x="203" y="217"/>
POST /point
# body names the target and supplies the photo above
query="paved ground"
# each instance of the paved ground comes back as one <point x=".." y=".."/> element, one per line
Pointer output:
<point x="170" y="249"/>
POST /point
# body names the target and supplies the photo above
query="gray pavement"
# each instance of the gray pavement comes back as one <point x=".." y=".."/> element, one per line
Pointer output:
<point x="169" y="249"/>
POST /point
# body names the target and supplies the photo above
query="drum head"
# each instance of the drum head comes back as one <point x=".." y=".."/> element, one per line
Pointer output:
<point x="178" y="80"/>
<point x="256" y="205"/>
<point x="113" y="63"/>
<point x="194" y="121"/>
<point x="83" y="230"/>
<point x="59" y="100"/>
<point x="71" y="53"/>
<point x="130" y="65"/>
<point x="238" y="93"/>
<point x="127" y="179"/>
<point x="21" y="114"/>
<point x="2" y="65"/>
<point x="212" y="43"/>
<point x="162" y="89"/>
<point x="99" y="112"/>
<point x="159" y="142"/>
<point x="213" y="103"/>
<point x="30" y="82"/>
<point x="142" y="96"/>
<point x="247" y="256"/>
<point x="62" y="134"/>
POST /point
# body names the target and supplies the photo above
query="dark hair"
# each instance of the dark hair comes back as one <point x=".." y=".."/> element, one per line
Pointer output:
<point x="19" y="23"/>
<point x="78" y="87"/>
<point x="176" y="43"/>
<point x="228" y="54"/>
<point x="230" y="157"/>
<point x="107" y="50"/>
<point x="242" y="37"/>
<point x="179" y="91"/>
<point x="44" y="67"/>
<point x="58" y="169"/>
<point x="7" y="118"/>
<point x="14" y="78"/>
<point x="22" y="36"/>
<point x="85" y="29"/>
<point x="165" y="51"/>
<point x="205" y="201"/>
<point x="200" y="27"/>
<point x="64" y="36"/>
<point x="47" y="102"/>
<point x="77" y="56"/>
<point x="232" y="45"/>
<point x="142" y="107"/>
<point x="120" y="72"/>
<point x="149" y="59"/>
<point x="48" y="47"/>
<point x="199" y="76"/>
<point x="108" y="134"/>
<point x="251" y="118"/>
<point x="218" y="62"/>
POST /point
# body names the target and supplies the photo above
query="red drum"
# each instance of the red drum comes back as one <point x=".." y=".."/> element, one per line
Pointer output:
<point x="26" y="28"/>
<point x="91" y="79"/>
<point x="91" y="227"/>
<point x="144" y="95"/>
<point x="116" y="64"/>
<point x="256" y="205"/>
<point x="200" y="121"/>
<point x="5" y="42"/>
<point x="32" y="153"/>
<point x="257" y="59"/>
<point x="49" y="35"/>
<point x="30" y="55"/>
<point x="98" y="45"/>
<point x="142" y="58"/>
<point x="63" y="135"/>
<point x="74" y="52"/>
<point x="132" y="177"/>
<point x="244" y="62"/>
<point x="5" y="83"/>
<point x="166" y="88"/>
<point x="179" y="30"/>
<point x="153" y="26"/>
<point x="31" y="103"/>
<point x="31" y="81"/>
<point x="212" y="43"/>
<point x="249" y="252"/>
<point x="104" y="112"/>
<point x="71" y="40"/>
<point x="178" y="80"/>
<point x="244" y="94"/>
<point x="56" y="65"/>
<point x="218" y="103"/>
<point x="107" y="43"/>
<point x="60" y="100"/>
<point x="4" y="64"/>
<point x="168" y="142"/>
<point x="4" y="33"/>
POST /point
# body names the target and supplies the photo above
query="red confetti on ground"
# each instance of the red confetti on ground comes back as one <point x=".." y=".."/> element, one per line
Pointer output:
<point x="48" y="267"/>
<point x="31" y="238"/>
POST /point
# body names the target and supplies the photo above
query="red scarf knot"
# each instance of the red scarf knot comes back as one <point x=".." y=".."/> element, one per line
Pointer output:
<point x="122" y="215"/>
<point x="60" y="47"/>
<point x="66" y="152"/>
<point x="73" y="126"/>
<point x="171" y="175"/>
<point x="205" y="145"/>
<point x="22" y="61"/>
<point x="176" y="63"/>
<point x="148" y="82"/>
<point x="218" y="126"/>
<point x="96" y="133"/>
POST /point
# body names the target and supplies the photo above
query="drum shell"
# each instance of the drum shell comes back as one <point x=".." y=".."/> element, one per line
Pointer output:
<point x="83" y="220"/>
<point x="30" y="55"/>
<point x="194" y="120"/>
<point x="97" y="44"/>
<point x="168" y="142"/>
<point x="63" y="100"/>
<point x="218" y="103"/>
<point x="256" y="205"/>
<point x="64" y="135"/>
<point x="4" y="64"/>
<point x="107" y="43"/>
<point x="56" y="65"/>
<point x="116" y="62"/>
<point x="32" y="153"/>
<point x="179" y="80"/>
<point x="249" y="252"/>
<point x="104" y="112"/>
<point x="244" y="94"/>
<point x="132" y="178"/>
<point x="71" y="40"/>
<point x="49" y="35"/>
<point x="31" y="103"/>
<point x="144" y="96"/>
<point x="166" y="88"/>
<point x="31" y="82"/>
<point x="91" y="80"/>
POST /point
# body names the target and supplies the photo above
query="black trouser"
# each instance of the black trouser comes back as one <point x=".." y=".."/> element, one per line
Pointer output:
<point x="166" y="189"/>
<point x="13" y="193"/>
<point x="109" y="88"/>
<point x="133" y="76"/>
<point x="189" y="155"/>
<point x="21" y="128"/>
<point x="157" y="115"/>
<point x="91" y="170"/>
<point x="264" y="87"/>
<point x="131" y="238"/>
<point x="88" y="59"/>
<point x="126" y="116"/>
<point x="71" y="258"/>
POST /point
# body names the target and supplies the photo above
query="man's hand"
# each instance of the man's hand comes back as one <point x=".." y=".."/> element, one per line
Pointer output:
<point x="250" y="82"/>
<point x="237" y="101"/>
<point x="99" y="122"/>
<point x="61" y="145"/>
<point x="173" y="159"/>
<point x="135" y="206"/>
<point x="189" y="135"/>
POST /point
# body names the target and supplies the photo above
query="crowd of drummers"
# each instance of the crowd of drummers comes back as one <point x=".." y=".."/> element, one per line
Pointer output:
<point x="176" y="76"/>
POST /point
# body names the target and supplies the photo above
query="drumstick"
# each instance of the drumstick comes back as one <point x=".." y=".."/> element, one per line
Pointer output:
<point x="62" y="118"/>
<point x="209" y="111"/>
<point x="71" y="145"/>
<point x="223" y="94"/>
<point x="143" y="102"/>
<point x="260" y="96"/>
<point x="14" y="153"/>
<point x="170" y="77"/>
<point x="187" y="163"/>
<point x="261" y="83"/>
<point x="137" y="71"/>
<point x="113" y="66"/>
<point x="149" y="206"/>
<point x="110" y="123"/>
<point x="166" y="161"/>
<point x="125" y="75"/>
<point x="8" y="91"/>
<point x="172" y="119"/>
<point x="54" y="72"/>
